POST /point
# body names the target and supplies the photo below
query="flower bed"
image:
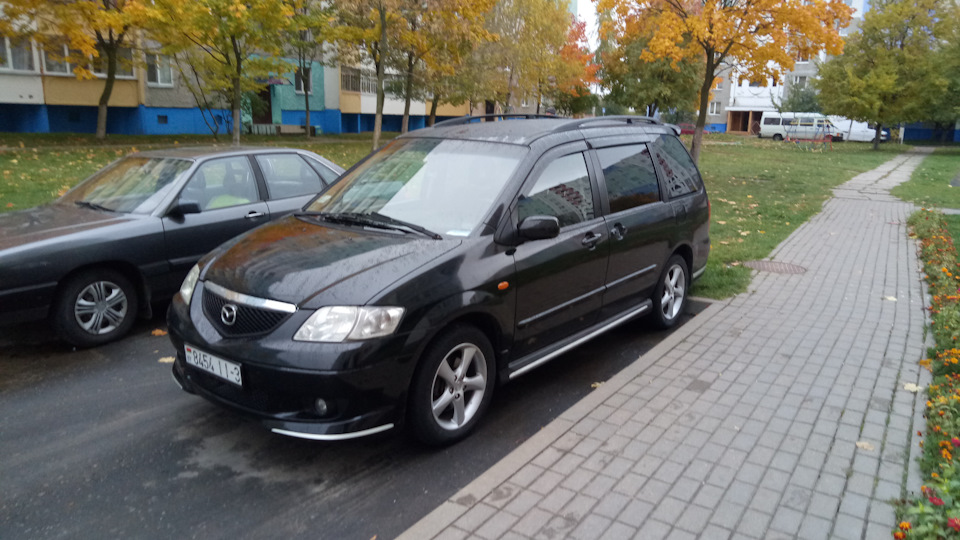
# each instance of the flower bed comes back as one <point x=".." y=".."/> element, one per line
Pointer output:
<point x="936" y="512"/>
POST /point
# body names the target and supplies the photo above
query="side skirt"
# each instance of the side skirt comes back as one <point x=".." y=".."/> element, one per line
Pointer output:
<point x="522" y="365"/>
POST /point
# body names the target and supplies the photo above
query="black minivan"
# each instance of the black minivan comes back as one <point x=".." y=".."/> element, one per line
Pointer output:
<point x="453" y="259"/>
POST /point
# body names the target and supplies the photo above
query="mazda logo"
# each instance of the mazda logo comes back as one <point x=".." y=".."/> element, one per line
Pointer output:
<point x="228" y="314"/>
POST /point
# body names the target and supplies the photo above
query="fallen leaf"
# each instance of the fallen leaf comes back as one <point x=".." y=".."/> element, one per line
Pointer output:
<point x="864" y="445"/>
<point x="166" y="360"/>
<point x="721" y="223"/>
<point x="158" y="332"/>
<point x="890" y="298"/>
<point x="596" y="385"/>
<point x="910" y="387"/>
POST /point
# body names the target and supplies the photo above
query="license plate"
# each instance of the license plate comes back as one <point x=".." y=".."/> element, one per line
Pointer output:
<point x="226" y="370"/>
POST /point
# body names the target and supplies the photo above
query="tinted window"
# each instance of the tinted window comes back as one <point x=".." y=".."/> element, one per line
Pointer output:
<point x="679" y="173"/>
<point x="327" y="174"/>
<point x="220" y="183"/>
<point x="288" y="175"/>
<point x="562" y="190"/>
<point x="629" y="175"/>
<point x="771" y="121"/>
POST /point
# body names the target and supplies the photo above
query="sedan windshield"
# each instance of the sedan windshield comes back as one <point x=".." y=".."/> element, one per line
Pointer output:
<point x="132" y="185"/>
<point x="444" y="186"/>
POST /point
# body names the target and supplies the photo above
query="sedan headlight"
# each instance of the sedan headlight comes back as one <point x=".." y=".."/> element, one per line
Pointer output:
<point x="189" y="283"/>
<point x="335" y="324"/>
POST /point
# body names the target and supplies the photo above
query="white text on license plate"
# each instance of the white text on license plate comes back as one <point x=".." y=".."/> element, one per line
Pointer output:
<point x="228" y="371"/>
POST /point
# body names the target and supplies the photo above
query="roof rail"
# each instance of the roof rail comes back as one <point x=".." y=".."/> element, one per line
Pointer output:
<point x="468" y="119"/>
<point x="626" y="119"/>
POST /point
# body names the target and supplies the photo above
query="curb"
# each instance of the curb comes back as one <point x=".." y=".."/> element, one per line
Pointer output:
<point x="462" y="501"/>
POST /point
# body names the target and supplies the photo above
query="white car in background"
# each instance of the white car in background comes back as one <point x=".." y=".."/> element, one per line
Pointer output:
<point x="853" y="130"/>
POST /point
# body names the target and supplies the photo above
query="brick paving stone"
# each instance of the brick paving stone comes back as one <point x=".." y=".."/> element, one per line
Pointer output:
<point x="745" y="424"/>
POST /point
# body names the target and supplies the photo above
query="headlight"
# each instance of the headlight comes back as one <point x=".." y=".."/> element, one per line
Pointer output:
<point x="189" y="283"/>
<point x="335" y="324"/>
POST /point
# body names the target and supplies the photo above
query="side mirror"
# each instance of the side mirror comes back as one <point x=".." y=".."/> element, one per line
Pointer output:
<point x="539" y="228"/>
<point x="185" y="206"/>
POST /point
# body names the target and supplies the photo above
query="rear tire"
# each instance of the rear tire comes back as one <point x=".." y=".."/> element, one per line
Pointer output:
<point x="452" y="386"/>
<point x="94" y="307"/>
<point x="670" y="295"/>
<point x="777" y="137"/>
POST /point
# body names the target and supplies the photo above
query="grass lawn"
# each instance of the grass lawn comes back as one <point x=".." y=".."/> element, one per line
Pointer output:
<point x="929" y="186"/>
<point x="760" y="190"/>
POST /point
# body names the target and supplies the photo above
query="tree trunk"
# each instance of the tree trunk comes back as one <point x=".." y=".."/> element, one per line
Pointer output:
<point x="877" y="131"/>
<point x="237" y="95"/>
<point x="506" y="105"/>
<point x="704" y="105"/>
<point x="407" y="90"/>
<point x="380" y="61"/>
<point x="111" y="51"/>
<point x="433" y="110"/>
<point x="306" y="77"/>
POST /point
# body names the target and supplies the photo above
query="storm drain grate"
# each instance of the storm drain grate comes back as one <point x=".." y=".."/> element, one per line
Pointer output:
<point x="776" y="267"/>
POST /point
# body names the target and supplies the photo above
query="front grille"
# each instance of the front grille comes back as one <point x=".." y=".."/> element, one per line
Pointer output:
<point x="250" y="321"/>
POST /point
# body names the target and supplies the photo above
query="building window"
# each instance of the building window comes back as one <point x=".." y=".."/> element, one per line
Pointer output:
<point x="802" y="58"/>
<point x="800" y="81"/>
<point x="162" y="119"/>
<point x="714" y="107"/>
<point x="159" y="71"/>
<point x="54" y="59"/>
<point x="304" y="79"/>
<point x="754" y="84"/>
<point x="368" y="82"/>
<point x="124" y="63"/>
<point x="16" y="55"/>
<point x="719" y="83"/>
<point x="350" y="79"/>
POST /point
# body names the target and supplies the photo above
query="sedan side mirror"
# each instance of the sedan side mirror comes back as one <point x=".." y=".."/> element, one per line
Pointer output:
<point x="539" y="228"/>
<point x="185" y="206"/>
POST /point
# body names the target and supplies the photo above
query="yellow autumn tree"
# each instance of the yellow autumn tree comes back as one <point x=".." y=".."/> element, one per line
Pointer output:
<point x="761" y="37"/>
<point x="89" y="35"/>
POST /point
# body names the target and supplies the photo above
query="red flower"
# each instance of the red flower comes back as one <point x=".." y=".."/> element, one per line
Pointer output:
<point x="955" y="441"/>
<point x="954" y="523"/>
<point x="936" y="501"/>
<point x="899" y="535"/>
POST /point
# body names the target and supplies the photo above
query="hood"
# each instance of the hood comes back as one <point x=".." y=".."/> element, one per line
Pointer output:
<point x="51" y="221"/>
<point x="308" y="264"/>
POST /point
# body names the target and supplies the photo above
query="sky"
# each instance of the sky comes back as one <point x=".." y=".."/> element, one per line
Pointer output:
<point x="587" y="12"/>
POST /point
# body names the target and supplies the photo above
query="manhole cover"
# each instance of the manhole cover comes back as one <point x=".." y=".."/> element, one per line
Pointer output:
<point x="776" y="267"/>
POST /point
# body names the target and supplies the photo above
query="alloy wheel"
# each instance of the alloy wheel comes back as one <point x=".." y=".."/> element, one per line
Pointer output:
<point x="673" y="292"/>
<point x="458" y="386"/>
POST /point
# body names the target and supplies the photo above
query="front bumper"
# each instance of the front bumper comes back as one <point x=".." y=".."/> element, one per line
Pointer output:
<point x="364" y="384"/>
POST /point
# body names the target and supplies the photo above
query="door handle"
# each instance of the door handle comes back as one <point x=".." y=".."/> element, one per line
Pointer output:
<point x="590" y="240"/>
<point x="254" y="214"/>
<point x="618" y="231"/>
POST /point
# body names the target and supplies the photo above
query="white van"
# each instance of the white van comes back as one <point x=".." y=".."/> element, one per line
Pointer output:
<point x="788" y="125"/>
<point x="857" y="131"/>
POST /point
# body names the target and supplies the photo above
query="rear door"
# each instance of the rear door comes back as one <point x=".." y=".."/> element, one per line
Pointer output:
<point x="290" y="181"/>
<point x="560" y="281"/>
<point x="639" y="222"/>
<point x="230" y="203"/>
<point x="683" y="189"/>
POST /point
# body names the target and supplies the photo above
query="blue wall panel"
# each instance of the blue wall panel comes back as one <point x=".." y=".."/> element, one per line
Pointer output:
<point x="24" y="118"/>
<point x="716" y="128"/>
<point x="180" y="121"/>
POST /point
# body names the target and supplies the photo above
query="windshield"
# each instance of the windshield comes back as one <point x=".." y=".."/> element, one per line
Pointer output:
<point x="133" y="185"/>
<point x="446" y="186"/>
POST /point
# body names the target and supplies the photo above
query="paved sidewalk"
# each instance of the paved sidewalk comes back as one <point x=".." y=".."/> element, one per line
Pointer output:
<point x="780" y="413"/>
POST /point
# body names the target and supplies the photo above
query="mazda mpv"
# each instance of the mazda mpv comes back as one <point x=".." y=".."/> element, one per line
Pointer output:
<point x="452" y="260"/>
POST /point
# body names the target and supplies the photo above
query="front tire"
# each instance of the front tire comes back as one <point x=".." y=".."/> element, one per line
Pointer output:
<point x="778" y="137"/>
<point x="670" y="296"/>
<point x="94" y="307"/>
<point x="453" y="386"/>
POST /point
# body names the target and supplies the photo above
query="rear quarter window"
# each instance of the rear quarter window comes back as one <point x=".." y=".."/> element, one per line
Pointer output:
<point x="680" y="174"/>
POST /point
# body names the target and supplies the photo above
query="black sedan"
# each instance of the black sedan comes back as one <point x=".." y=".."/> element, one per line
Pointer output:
<point x="455" y="258"/>
<point x="96" y="258"/>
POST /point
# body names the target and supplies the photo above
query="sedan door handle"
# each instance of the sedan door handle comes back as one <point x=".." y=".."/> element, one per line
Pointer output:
<point x="254" y="215"/>
<point x="590" y="240"/>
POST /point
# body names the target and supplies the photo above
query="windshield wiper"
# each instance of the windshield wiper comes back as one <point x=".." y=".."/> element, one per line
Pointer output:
<point x="374" y="219"/>
<point x="405" y="225"/>
<point x="93" y="205"/>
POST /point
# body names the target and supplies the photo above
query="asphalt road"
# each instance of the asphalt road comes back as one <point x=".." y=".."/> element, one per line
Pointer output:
<point x="102" y="444"/>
